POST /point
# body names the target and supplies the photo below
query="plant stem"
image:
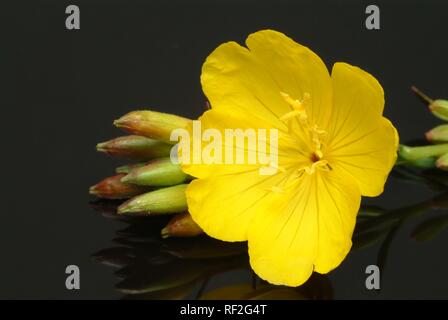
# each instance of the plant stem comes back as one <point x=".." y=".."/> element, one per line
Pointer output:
<point x="416" y="153"/>
<point x="422" y="96"/>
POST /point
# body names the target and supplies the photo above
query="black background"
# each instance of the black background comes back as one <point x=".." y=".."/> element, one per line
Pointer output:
<point x="63" y="88"/>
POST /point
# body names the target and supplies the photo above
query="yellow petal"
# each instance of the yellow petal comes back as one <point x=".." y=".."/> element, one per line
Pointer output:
<point x="251" y="81"/>
<point x="296" y="70"/>
<point x="361" y="141"/>
<point x="289" y="149"/>
<point x="223" y="206"/>
<point x="309" y="229"/>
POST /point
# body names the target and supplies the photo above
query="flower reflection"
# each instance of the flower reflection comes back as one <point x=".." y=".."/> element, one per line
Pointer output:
<point x="376" y="224"/>
<point x="150" y="267"/>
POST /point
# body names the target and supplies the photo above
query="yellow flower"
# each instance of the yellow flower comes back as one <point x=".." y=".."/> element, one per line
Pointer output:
<point x="334" y="146"/>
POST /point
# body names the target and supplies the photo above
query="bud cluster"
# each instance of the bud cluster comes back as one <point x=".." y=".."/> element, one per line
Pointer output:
<point x="153" y="184"/>
<point x="434" y="154"/>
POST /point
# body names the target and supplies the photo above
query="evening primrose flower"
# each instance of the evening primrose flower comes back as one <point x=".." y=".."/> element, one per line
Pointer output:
<point x="334" y="146"/>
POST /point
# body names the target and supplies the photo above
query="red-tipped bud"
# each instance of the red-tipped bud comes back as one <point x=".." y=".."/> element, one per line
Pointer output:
<point x="181" y="225"/>
<point x="113" y="188"/>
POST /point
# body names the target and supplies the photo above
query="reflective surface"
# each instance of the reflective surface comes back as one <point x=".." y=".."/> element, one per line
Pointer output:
<point x="149" y="267"/>
<point x="63" y="90"/>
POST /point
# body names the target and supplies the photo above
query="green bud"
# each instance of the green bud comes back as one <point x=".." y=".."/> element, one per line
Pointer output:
<point x="442" y="162"/>
<point x="416" y="153"/>
<point x="157" y="173"/>
<point x="129" y="167"/>
<point x="161" y="201"/>
<point x="152" y="124"/>
<point x="135" y="148"/>
<point x="438" y="134"/>
<point x="439" y="108"/>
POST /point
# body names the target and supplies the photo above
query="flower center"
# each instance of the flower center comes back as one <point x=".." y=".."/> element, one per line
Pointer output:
<point x="314" y="134"/>
<point x="314" y="157"/>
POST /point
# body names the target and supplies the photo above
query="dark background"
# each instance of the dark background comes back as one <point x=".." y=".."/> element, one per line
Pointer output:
<point x="62" y="89"/>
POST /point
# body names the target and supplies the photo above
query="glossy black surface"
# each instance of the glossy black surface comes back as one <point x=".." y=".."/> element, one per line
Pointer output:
<point x="64" y="88"/>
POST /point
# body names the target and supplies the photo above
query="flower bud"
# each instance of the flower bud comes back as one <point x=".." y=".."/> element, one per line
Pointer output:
<point x="181" y="225"/>
<point x="161" y="201"/>
<point x="442" y="162"/>
<point x="135" y="148"/>
<point x="438" y="134"/>
<point x="113" y="188"/>
<point x="129" y="167"/>
<point x="439" y="108"/>
<point x="157" y="173"/>
<point x="152" y="124"/>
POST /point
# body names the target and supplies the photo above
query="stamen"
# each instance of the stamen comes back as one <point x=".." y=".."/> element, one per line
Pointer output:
<point x="295" y="104"/>
<point x="309" y="169"/>
<point x="315" y="135"/>
<point x="318" y="164"/>
<point x="290" y="115"/>
<point x="298" y="110"/>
